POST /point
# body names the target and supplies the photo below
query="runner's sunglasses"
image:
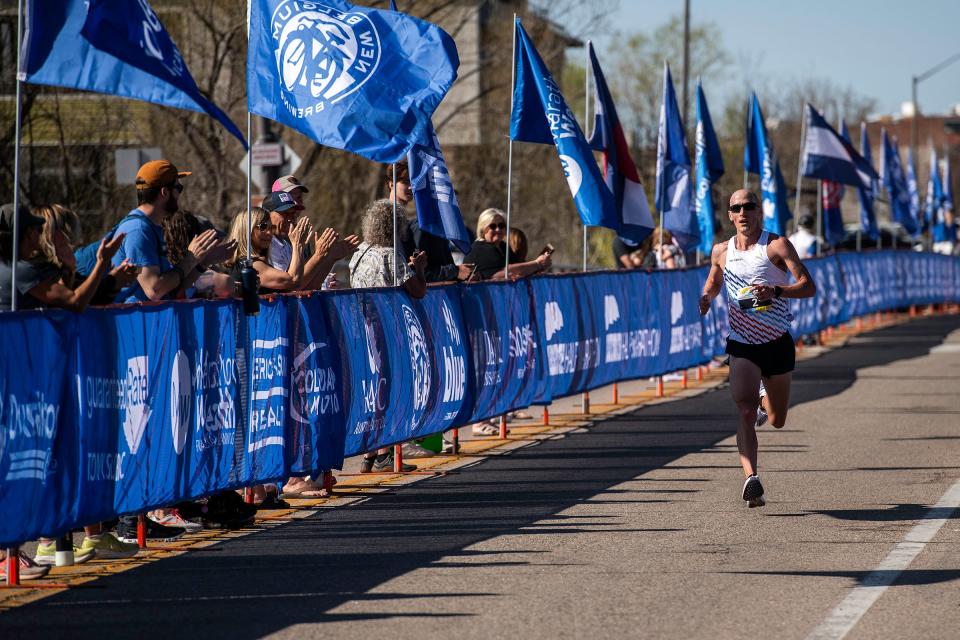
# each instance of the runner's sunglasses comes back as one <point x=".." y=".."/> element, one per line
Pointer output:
<point x="746" y="206"/>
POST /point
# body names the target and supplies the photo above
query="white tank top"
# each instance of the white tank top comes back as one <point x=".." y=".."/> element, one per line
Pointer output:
<point x="745" y="268"/>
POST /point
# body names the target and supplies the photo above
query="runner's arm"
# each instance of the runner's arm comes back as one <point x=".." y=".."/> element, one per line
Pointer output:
<point x="804" y="287"/>
<point x="714" y="283"/>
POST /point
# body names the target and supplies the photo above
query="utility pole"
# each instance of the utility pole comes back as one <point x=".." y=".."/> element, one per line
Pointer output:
<point x="686" y="57"/>
<point x="914" y="81"/>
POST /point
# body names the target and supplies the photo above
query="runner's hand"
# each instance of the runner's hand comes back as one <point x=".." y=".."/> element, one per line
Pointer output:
<point x="704" y="304"/>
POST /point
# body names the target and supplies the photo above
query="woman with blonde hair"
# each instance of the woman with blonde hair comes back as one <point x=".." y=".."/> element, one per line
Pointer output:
<point x="61" y="230"/>
<point x="489" y="250"/>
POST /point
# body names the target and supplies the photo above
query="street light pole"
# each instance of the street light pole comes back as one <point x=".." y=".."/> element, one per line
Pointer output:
<point x="917" y="79"/>
<point x="686" y="57"/>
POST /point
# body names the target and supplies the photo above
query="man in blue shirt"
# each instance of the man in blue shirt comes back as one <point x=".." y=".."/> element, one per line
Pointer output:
<point x="158" y="192"/>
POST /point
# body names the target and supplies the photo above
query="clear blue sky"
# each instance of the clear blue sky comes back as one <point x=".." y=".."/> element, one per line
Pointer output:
<point x="873" y="46"/>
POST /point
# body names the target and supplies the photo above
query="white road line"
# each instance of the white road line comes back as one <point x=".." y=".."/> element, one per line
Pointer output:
<point x="848" y="613"/>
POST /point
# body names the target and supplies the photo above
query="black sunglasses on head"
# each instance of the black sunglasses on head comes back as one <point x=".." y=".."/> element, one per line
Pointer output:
<point x="746" y="206"/>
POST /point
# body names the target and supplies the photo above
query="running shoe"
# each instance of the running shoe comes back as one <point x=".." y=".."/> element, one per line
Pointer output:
<point x="487" y="429"/>
<point x="105" y="546"/>
<point x="174" y="519"/>
<point x="413" y="450"/>
<point x="761" y="416"/>
<point x="752" y="488"/>
<point x="46" y="554"/>
<point x="29" y="570"/>
<point x="127" y="531"/>
<point x="756" y="502"/>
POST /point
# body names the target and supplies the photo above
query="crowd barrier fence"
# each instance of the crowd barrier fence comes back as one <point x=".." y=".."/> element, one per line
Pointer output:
<point x="123" y="410"/>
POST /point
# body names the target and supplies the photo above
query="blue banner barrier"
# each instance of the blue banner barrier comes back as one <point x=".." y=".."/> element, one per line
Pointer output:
<point x="123" y="410"/>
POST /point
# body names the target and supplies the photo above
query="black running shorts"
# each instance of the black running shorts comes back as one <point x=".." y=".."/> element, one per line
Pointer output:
<point x="773" y="358"/>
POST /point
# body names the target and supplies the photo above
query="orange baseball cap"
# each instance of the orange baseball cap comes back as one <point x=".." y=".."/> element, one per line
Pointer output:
<point x="159" y="173"/>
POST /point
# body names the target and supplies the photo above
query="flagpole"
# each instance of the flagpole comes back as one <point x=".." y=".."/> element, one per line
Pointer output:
<point x="16" y="164"/>
<point x="394" y="193"/>
<point x="249" y="182"/>
<point x="586" y="129"/>
<point x="803" y="140"/>
<point x="819" y="215"/>
<point x="513" y="81"/>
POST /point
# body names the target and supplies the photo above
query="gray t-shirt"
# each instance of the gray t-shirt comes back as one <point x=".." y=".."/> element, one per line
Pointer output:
<point x="29" y="275"/>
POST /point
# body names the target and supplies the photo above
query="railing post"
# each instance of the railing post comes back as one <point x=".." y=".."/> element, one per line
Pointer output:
<point x="455" y="437"/>
<point x="13" y="566"/>
<point x="546" y="416"/>
<point x="699" y="373"/>
<point x="142" y="531"/>
<point x="503" y="427"/>
<point x="659" y="386"/>
<point x="397" y="458"/>
<point x="585" y="403"/>
<point x="683" y="380"/>
<point x="616" y="394"/>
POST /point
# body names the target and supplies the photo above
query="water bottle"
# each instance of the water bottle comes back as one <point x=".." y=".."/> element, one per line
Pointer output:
<point x="249" y="285"/>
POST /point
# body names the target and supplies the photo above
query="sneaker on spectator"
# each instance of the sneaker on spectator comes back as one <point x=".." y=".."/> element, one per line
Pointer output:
<point x="173" y="519"/>
<point x="46" y="554"/>
<point x="105" y="546"/>
<point x="413" y="450"/>
<point x="29" y="570"/>
<point x="127" y="530"/>
<point x="384" y="464"/>
<point x="487" y="429"/>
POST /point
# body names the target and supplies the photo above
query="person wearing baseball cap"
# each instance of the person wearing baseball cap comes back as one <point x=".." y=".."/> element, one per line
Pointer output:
<point x="293" y="186"/>
<point x="283" y="213"/>
<point x="39" y="282"/>
<point x="158" y="196"/>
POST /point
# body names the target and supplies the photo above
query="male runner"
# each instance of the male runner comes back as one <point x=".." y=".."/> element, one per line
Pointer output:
<point x="754" y="265"/>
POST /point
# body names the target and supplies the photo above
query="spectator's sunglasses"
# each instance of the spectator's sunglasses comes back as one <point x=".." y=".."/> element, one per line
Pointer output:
<point x="497" y="225"/>
<point x="178" y="187"/>
<point x="746" y="206"/>
<point x="264" y="226"/>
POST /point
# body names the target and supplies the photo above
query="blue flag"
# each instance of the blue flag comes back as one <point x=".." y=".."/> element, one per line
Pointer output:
<point x="393" y="5"/>
<point x="709" y="169"/>
<point x="353" y="78"/>
<point x="913" y="189"/>
<point x="437" y="209"/>
<point x="934" y="220"/>
<point x="619" y="170"/>
<point x="832" y="196"/>
<point x="116" y="47"/>
<point x="673" y="194"/>
<point x="895" y="184"/>
<point x="828" y="156"/>
<point x="541" y="115"/>
<point x="758" y="158"/>
<point x="868" y="217"/>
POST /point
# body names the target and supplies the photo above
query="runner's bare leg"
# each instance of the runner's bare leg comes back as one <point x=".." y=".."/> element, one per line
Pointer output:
<point x="778" y="398"/>
<point x="744" y="387"/>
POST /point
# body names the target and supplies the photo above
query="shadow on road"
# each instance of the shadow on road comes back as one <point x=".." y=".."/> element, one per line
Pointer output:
<point x="299" y="571"/>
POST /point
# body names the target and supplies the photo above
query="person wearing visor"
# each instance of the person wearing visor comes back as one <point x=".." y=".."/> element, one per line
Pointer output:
<point x="755" y="268"/>
<point x="158" y="196"/>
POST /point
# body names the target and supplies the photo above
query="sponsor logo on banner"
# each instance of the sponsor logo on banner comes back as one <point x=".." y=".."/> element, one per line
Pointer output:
<point x="611" y="311"/>
<point x="376" y="386"/>
<point x="267" y="416"/>
<point x="626" y="345"/>
<point x="153" y="47"/>
<point x="572" y="172"/>
<point x="419" y="359"/>
<point x="567" y="357"/>
<point x="216" y="379"/>
<point x="553" y="318"/>
<point x="683" y="337"/>
<point x="35" y="421"/>
<point x="454" y="365"/>
<point x="136" y="411"/>
<point x="314" y="386"/>
<point x="323" y="54"/>
<point x="181" y="399"/>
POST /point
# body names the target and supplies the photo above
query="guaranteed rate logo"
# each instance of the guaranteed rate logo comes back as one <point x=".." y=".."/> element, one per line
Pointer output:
<point x="323" y="54"/>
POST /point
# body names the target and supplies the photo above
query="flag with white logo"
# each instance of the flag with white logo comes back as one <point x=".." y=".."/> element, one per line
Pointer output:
<point x="933" y="210"/>
<point x="350" y="77"/>
<point x="619" y="170"/>
<point x="709" y="170"/>
<point x="438" y="211"/>
<point x="116" y="47"/>
<point x="827" y="156"/>
<point x="913" y="190"/>
<point x="673" y="194"/>
<point x="868" y="217"/>
<point x="895" y="184"/>
<point x="541" y="115"/>
<point x="759" y="158"/>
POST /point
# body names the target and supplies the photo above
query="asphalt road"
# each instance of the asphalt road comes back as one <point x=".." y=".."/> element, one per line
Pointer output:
<point x="633" y="528"/>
